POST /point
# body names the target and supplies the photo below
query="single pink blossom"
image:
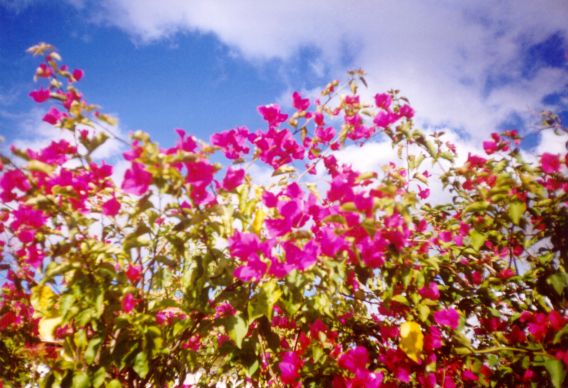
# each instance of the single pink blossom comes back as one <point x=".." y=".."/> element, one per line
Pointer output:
<point x="193" y="343"/>
<point x="433" y="339"/>
<point x="289" y="367"/>
<point x="111" y="207"/>
<point x="430" y="292"/>
<point x="550" y="163"/>
<point x="406" y="111"/>
<point x="128" y="303"/>
<point x="185" y="143"/>
<point x="40" y="95"/>
<point x="354" y="359"/>
<point x="253" y="271"/>
<point x="300" y="103"/>
<point x="134" y="273"/>
<point x="448" y="317"/>
<point x="232" y="142"/>
<point x="423" y="193"/>
<point x="233" y="179"/>
<point x="383" y="119"/>
<point x="52" y="116"/>
<point x="468" y="375"/>
<point x="271" y="114"/>
<point x="78" y="74"/>
<point x="136" y="179"/>
<point x="224" y="310"/>
<point x="490" y="147"/>
<point x="383" y="100"/>
<point x="325" y="135"/>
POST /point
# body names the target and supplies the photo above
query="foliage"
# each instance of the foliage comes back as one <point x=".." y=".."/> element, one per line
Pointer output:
<point x="328" y="276"/>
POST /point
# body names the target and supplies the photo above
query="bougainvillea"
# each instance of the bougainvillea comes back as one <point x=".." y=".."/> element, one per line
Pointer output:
<point x="187" y="270"/>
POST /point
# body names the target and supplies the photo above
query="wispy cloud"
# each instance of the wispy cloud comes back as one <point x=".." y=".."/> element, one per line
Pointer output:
<point x="467" y="64"/>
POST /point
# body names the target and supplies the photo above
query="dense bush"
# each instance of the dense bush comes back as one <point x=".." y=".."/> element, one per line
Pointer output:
<point x="328" y="276"/>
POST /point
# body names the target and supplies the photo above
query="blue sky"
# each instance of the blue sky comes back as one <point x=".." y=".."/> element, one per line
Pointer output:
<point x="472" y="67"/>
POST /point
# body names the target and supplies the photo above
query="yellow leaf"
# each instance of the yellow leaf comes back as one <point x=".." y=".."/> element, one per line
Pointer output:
<point x="411" y="340"/>
<point x="42" y="300"/>
<point x="258" y="221"/>
<point x="46" y="327"/>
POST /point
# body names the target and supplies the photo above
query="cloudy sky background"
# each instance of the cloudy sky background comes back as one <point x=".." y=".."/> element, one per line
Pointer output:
<point x="469" y="67"/>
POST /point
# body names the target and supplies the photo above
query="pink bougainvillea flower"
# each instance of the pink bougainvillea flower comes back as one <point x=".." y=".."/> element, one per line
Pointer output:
<point x="128" y="303"/>
<point x="233" y="179"/>
<point x="406" y="111"/>
<point x="490" y="147"/>
<point x="44" y="71"/>
<point x="55" y="153"/>
<point x="468" y="375"/>
<point x="185" y="143"/>
<point x="133" y="153"/>
<point x="383" y="119"/>
<point x="550" y="163"/>
<point x="383" y="100"/>
<point x="430" y="292"/>
<point x="78" y="74"/>
<point x="232" y="142"/>
<point x="276" y="147"/>
<point x="26" y="215"/>
<point x="136" y="179"/>
<point x="243" y="245"/>
<point x="303" y="258"/>
<point x="476" y="161"/>
<point x="330" y="242"/>
<point x="224" y="310"/>
<point x="271" y="114"/>
<point x="448" y="317"/>
<point x="26" y="235"/>
<point x="300" y="103"/>
<point x="193" y="343"/>
<point x="423" y="193"/>
<point x="354" y="359"/>
<point x="111" y="207"/>
<point x="253" y="271"/>
<point x="33" y="256"/>
<point x="52" y="116"/>
<point x="134" y="273"/>
<point x="506" y="273"/>
<point x="325" y="135"/>
<point x="289" y="367"/>
<point x="40" y="95"/>
<point x="10" y="180"/>
<point x="433" y="339"/>
<point x="200" y="172"/>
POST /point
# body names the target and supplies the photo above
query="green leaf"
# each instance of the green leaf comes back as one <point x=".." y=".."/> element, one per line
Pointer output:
<point x="401" y="299"/>
<point x="477" y="239"/>
<point x="141" y="364"/>
<point x="91" y="350"/>
<point x="424" y="312"/>
<point x="477" y="207"/>
<point x="265" y="300"/>
<point x="81" y="380"/>
<point x="516" y="211"/>
<point x="561" y="333"/>
<point x="237" y="329"/>
<point x="114" y="384"/>
<point x="556" y="370"/>
<point x="559" y="281"/>
<point x="99" y="377"/>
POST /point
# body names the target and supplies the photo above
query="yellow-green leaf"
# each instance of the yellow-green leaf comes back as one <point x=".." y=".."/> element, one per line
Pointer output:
<point x="411" y="340"/>
<point x="516" y="211"/>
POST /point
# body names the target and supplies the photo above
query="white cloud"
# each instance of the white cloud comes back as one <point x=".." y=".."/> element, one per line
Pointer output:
<point x="441" y="54"/>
